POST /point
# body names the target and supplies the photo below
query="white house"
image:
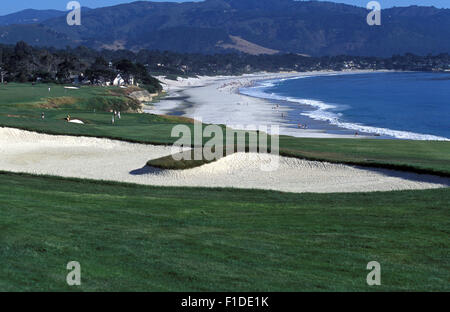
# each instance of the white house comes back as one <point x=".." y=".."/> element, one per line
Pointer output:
<point x="119" y="81"/>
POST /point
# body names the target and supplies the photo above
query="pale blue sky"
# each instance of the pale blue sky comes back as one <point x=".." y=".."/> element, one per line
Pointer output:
<point x="10" y="6"/>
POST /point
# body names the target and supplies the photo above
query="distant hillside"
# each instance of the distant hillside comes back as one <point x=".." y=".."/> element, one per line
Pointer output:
<point x="29" y="16"/>
<point x="251" y="26"/>
<point x="244" y="46"/>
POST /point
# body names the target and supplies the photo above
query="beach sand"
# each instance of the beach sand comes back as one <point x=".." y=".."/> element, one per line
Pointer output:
<point x="104" y="159"/>
<point x="216" y="100"/>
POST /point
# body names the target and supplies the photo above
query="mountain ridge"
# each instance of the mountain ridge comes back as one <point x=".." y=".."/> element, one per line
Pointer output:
<point x="302" y="27"/>
<point x="29" y="16"/>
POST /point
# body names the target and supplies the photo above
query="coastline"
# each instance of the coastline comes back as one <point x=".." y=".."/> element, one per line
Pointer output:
<point x="241" y="103"/>
<point x="195" y="98"/>
<point x="320" y="113"/>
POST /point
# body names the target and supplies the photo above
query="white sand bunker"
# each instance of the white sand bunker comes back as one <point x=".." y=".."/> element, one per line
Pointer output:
<point x="103" y="159"/>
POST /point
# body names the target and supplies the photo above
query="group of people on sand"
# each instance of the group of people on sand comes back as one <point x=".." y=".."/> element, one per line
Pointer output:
<point x="283" y="115"/>
<point x="276" y="107"/>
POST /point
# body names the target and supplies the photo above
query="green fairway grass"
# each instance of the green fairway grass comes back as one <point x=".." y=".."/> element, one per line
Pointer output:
<point x="37" y="96"/>
<point x="139" y="128"/>
<point x="419" y="156"/>
<point x="137" y="238"/>
<point x="21" y="106"/>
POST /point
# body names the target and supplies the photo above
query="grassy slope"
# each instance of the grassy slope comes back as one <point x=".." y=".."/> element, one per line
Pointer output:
<point x="146" y="238"/>
<point x="21" y="106"/>
<point x="429" y="156"/>
<point x="143" y="128"/>
<point x="25" y="95"/>
<point x="129" y="237"/>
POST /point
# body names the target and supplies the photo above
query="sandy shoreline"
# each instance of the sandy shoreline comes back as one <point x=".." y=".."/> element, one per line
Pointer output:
<point x="216" y="100"/>
<point x="110" y="160"/>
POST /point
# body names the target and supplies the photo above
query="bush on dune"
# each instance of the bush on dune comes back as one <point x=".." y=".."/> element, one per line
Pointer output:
<point x="108" y="103"/>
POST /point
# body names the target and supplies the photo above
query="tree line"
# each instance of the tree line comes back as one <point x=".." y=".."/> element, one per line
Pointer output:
<point x="25" y="63"/>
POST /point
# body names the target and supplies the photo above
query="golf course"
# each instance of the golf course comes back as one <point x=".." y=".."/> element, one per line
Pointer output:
<point x="130" y="237"/>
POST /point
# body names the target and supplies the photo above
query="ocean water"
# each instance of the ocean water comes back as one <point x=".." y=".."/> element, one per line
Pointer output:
<point x="401" y="105"/>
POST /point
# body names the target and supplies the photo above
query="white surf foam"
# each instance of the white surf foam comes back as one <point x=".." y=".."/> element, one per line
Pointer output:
<point x="324" y="112"/>
<point x="333" y="119"/>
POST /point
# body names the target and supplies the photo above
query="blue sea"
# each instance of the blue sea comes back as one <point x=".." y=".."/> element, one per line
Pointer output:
<point x="403" y="105"/>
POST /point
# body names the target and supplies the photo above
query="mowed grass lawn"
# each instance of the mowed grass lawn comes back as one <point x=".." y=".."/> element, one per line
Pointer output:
<point x="21" y="106"/>
<point x="133" y="238"/>
<point x="137" y="238"/>
<point x="29" y="95"/>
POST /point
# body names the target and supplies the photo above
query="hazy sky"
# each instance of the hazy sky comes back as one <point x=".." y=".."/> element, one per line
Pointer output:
<point x="10" y="6"/>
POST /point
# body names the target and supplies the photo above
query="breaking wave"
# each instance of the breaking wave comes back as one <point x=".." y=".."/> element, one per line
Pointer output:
<point x="324" y="112"/>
